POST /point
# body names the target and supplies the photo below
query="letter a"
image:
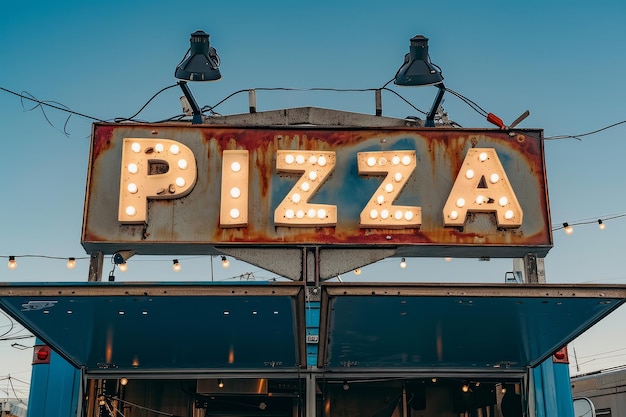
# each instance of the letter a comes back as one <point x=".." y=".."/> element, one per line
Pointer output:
<point x="482" y="186"/>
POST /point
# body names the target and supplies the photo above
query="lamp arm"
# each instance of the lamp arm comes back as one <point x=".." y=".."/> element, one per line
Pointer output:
<point x="430" y="117"/>
<point x="197" y="113"/>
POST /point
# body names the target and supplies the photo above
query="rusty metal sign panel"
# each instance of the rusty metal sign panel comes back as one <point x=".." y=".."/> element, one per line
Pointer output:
<point x="180" y="189"/>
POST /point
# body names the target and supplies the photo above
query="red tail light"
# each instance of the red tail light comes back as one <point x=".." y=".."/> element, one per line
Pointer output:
<point x="41" y="354"/>
<point x="561" y="356"/>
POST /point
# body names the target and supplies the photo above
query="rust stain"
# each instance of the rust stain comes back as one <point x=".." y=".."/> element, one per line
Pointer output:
<point x="102" y="140"/>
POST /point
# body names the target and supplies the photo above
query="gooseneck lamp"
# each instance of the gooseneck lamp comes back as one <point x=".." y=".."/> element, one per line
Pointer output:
<point x="418" y="70"/>
<point x="200" y="63"/>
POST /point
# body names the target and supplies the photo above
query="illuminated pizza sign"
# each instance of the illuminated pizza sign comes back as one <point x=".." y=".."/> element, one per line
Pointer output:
<point x="153" y="188"/>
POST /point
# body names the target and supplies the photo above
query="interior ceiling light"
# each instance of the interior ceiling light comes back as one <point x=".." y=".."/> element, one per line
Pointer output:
<point x="200" y="63"/>
<point x="418" y="70"/>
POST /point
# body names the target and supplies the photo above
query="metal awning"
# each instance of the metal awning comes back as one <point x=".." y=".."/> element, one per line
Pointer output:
<point x="465" y="328"/>
<point x="165" y="327"/>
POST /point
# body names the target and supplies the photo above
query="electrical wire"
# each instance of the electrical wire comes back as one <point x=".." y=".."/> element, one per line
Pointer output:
<point x="131" y="118"/>
<point x="47" y="104"/>
<point x="13" y="388"/>
<point x="65" y="258"/>
<point x="211" y="109"/>
<point x="405" y="100"/>
<point x="594" y="220"/>
<point x="11" y="324"/>
<point x="469" y="102"/>
<point x="579" y="136"/>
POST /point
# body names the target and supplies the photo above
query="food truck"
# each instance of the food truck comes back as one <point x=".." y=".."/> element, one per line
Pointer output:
<point x="309" y="194"/>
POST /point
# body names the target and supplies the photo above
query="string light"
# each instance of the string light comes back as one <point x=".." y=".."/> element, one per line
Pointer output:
<point x="568" y="229"/>
<point x="71" y="263"/>
<point x="601" y="222"/>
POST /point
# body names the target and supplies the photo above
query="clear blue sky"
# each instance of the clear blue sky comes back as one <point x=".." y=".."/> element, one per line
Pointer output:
<point x="562" y="60"/>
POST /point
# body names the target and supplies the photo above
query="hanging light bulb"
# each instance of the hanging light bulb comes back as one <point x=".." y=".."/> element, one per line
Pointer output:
<point x="357" y="271"/>
<point x="225" y="262"/>
<point x="568" y="229"/>
<point x="176" y="266"/>
<point x="403" y="263"/>
<point x="123" y="381"/>
<point x="12" y="263"/>
<point x="465" y="388"/>
<point x="71" y="263"/>
<point x="120" y="257"/>
<point x="220" y="383"/>
<point x="601" y="224"/>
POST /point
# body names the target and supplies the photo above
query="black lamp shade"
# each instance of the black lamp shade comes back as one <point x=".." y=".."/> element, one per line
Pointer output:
<point x="417" y="68"/>
<point x="201" y="63"/>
